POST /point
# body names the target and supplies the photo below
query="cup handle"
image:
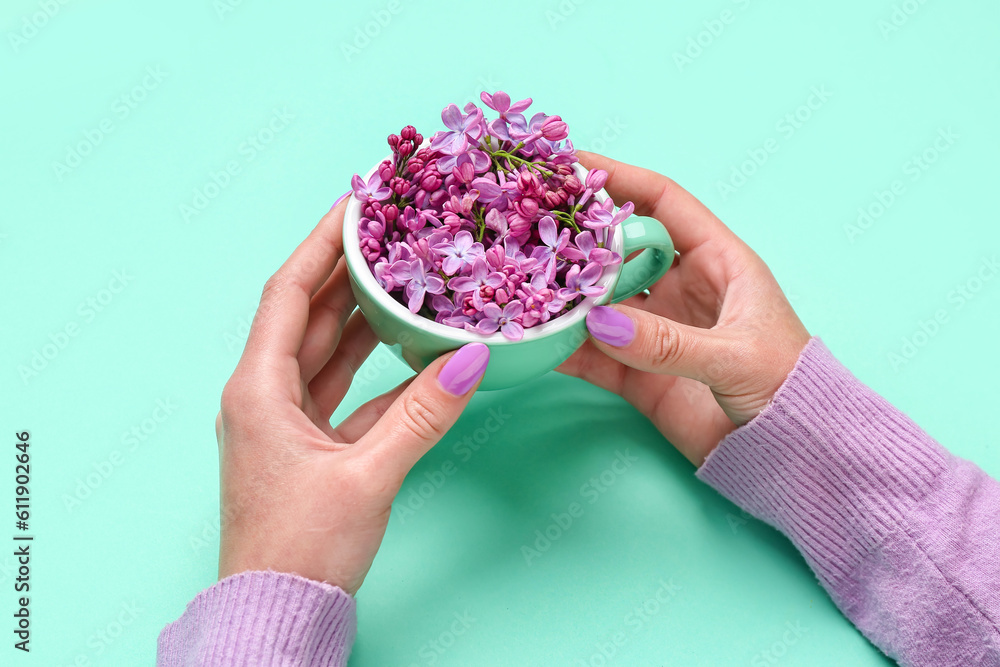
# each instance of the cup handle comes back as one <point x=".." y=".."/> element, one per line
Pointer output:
<point x="640" y="272"/>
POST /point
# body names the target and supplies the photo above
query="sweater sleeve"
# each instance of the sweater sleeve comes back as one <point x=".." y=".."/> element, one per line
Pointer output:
<point x="262" y="619"/>
<point x="904" y="536"/>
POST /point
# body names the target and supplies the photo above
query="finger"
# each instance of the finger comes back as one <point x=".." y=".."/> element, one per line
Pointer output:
<point x="280" y="322"/>
<point x="648" y="342"/>
<point x="688" y="221"/>
<point x="361" y="420"/>
<point x="424" y="411"/>
<point x="591" y="365"/>
<point x="328" y="313"/>
<point x="330" y="385"/>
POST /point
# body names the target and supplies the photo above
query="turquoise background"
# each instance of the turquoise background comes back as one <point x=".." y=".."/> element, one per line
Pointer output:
<point x="144" y="539"/>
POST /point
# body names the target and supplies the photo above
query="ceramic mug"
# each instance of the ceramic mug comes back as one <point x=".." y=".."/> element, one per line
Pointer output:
<point x="418" y="341"/>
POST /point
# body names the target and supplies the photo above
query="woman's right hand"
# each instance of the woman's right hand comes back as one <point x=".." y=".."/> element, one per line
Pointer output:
<point x="706" y="350"/>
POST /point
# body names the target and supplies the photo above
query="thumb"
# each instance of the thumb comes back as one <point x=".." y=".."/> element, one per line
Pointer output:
<point x="427" y="408"/>
<point x="649" y="342"/>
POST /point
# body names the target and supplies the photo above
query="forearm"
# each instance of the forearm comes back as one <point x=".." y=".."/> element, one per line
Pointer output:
<point x="900" y="532"/>
<point x="263" y="619"/>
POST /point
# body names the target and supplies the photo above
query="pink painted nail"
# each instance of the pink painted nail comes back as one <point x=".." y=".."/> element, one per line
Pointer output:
<point x="464" y="368"/>
<point x="340" y="199"/>
<point x="610" y="326"/>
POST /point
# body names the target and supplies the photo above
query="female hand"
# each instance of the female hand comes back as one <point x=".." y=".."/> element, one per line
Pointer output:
<point x="297" y="494"/>
<point x="707" y="348"/>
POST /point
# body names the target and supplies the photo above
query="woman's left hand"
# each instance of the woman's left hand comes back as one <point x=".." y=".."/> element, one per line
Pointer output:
<point x="298" y="495"/>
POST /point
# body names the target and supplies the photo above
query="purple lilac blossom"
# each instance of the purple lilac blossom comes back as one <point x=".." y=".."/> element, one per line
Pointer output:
<point x="487" y="227"/>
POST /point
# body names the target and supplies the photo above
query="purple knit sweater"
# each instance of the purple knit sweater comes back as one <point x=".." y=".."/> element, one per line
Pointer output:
<point x="904" y="536"/>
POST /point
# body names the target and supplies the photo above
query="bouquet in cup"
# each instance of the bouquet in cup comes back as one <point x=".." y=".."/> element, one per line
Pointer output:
<point x="487" y="226"/>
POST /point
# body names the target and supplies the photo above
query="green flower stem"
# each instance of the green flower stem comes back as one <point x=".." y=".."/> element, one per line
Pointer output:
<point x="567" y="218"/>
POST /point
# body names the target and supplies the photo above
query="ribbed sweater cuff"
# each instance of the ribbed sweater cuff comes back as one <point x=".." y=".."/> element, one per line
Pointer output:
<point x="829" y="462"/>
<point x="262" y="619"/>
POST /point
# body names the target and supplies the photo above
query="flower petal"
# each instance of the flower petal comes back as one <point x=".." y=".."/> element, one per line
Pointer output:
<point x="512" y="331"/>
<point x="547" y="231"/>
<point x="434" y="284"/>
<point x="462" y="284"/>
<point x="415" y="294"/>
<point x="591" y="273"/>
<point x="451" y="116"/>
<point x="513" y="309"/>
<point x="487" y="326"/>
<point x="495" y="280"/>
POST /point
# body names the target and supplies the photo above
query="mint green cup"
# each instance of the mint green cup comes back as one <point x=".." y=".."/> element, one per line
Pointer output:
<point x="418" y="341"/>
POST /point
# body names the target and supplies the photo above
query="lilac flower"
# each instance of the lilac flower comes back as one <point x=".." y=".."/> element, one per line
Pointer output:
<point x="373" y="190"/>
<point x="459" y="252"/>
<point x="479" y="160"/>
<point x="585" y="248"/>
<point x="480" y="282"/>
<point x="500" y="102"/>
<point x="505" y="320"/>
<point x="418" y="280"/>
<point x="384" y="276"/>
<point x="497" y="222"/>
<point x="581" y="283"/>
<point x="495" y="195"/>
<point x="552" y="244"/>
<point x="600" y="216"/>
<point x="510" y="114"/>
<point x="463" y="128"/>
<point x="540" y="301"/>
<point x="447" y="313"/>
<point x="467" y="230"/>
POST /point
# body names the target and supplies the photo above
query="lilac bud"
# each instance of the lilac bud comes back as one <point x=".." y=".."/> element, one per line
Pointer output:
<point x="554" y="129"/>
<point x="501" y="297"/>
<point x="418" y="139"/>
<point x="438" y="198"/>
<point x="596" y="178"/>
<point x="527" y="182"/>
<point x="399" y="185"/>
<point x="390" y="213"/>
<point x="405" y="148"/>
<point x="574" y="186"/>
<point x="386" y="171"/>
<point x="408" y="132"/>
<point x="393" y="140"/>
<point x="526" y="207"/>
<point x="464" y="173"/>
<point x="430" y="182"/>
<point x="551" y="199"/>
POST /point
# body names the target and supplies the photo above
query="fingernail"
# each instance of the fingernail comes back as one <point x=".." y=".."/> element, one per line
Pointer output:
<point x="340" y="199"/>
<point x="610" y="326"/>
<point x="464" y="368"/>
